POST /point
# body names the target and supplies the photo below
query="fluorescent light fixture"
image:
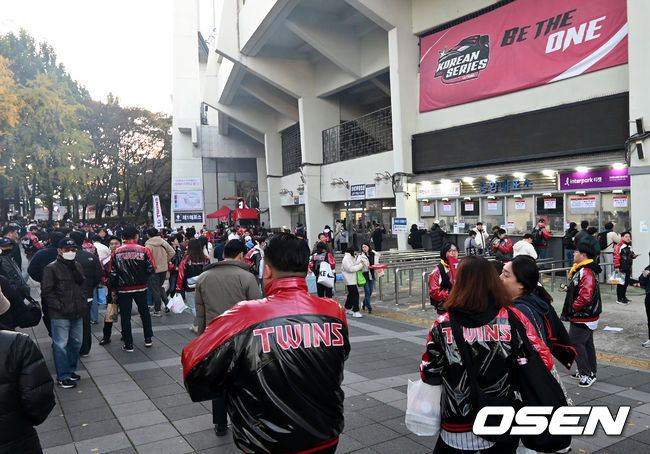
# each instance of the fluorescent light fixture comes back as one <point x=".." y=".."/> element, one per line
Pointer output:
<point x="491" y="197"/>
<point x="445" y="181"/>
<point x="468" y="180"/>
<point x="547" y="194"/>
<point x="581" y="192"/>
<point x="617" y="191"/>
<point x="466" y="198"/>
<point x="491" y="177"/>
<point x="618" y="166"/>
<point x="517" y="196"/>
<point x="426" y="183"/>
<point x="582" y="169"/>
<point x="519" y="175"/>
<point x="548" y="172"/>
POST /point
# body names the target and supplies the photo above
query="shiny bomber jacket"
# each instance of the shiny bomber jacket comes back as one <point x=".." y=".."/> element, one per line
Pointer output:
<point x="130" y="267"/>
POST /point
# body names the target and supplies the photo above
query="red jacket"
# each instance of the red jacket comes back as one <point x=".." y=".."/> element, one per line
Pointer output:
<point x="130" y="267"/>
<point x="280" y="361"/>
<point x="435" y="291"/>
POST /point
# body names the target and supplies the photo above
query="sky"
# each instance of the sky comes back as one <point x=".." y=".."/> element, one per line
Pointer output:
<point x="118" y="46"/>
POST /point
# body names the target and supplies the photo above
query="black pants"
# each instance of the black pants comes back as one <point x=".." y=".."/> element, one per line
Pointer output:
<point x="498" y="448"/>
<point x="582" y="339"/>
<point x="647" y="311"/>
<point x="621" y="289"/>
<point x="352" y="301"/>
<point x="86" y="339"/>
<point x="125" y="301"/>
<point x="158" y="294"/>
<point x="219" y="414"/>
<point x="46" y="317"/>
<point x="324" y="291"/>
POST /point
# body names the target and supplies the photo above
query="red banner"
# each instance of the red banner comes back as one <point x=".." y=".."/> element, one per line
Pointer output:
<point x="521" y="45"/>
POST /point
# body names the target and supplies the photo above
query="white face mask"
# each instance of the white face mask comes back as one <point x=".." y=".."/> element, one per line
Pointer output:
<point x="69" y="255"/>
<point x="326" y="230"/>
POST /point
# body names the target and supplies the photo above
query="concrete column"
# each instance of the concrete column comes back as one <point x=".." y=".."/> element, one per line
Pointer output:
<point x="638" y="15"/>
<point x="278" y="215"/>
<point x="403" y="57"/>
<point x="316" y="115"/>
<point x="263" y="190"/>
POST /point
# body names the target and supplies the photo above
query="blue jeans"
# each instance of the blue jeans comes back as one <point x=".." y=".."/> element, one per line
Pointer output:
<point x="189" y="301"/>
<point x="125" y="301"/>
<point x="149" y="296"/>
<point x="66" y="342"/>
<point x="367" y="292"/>
<point x="568" y="256"/>
<point x="541" y="252"/>
<point x="99" y="298"/>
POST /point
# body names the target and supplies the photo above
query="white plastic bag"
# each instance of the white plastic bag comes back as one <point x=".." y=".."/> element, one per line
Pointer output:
<point x="616" y="278"/>
<point x="423" y="408"/>
<point x="325" y="275"/>
<point x="176" y="304"/>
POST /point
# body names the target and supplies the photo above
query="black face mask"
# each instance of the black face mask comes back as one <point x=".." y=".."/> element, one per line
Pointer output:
<point x="6" y="251"/>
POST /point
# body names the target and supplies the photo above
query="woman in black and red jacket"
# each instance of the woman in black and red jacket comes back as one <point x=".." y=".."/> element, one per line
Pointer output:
<point x="188" y="270"/>
<point x="478" y="303"/>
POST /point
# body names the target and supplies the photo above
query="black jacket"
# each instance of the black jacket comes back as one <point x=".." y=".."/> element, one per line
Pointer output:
<point x="437" y="237"/>
<point x="280" y="362"/>
<point x="11" y="319"/>
<point x="92" y="270"/>
<point x="130" y="267"/>
<point x="63" y="291"/>
<point x="26" y="393"/>
<point x="10" y="270"/>
<point x="493" y="347"/>
<point x="40" y="260"/>
<point x="582" y="302"/>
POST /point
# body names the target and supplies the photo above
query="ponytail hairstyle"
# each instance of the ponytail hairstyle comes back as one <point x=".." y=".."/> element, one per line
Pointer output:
<point x="526" y="272"/>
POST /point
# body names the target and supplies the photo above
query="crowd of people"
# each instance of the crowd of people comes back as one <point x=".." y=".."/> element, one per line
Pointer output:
<point x="247" y="292"/>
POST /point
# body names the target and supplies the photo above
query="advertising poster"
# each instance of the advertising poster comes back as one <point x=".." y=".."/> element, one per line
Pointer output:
<point x="158" y="221"/>
<point x="550" y="204"/>
<point x="399" y="225"/>
<point x="520" y="204"/>
<point x="371" y="191"/>
<point x="357" y="192"/>
<point x="187" y="200"/>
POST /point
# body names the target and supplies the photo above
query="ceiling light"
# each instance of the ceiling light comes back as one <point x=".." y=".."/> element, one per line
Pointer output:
<point x="618" y="166"/>
<point x="445" y="181"/>
<point x="519" y="175"/>
<point x="547" y="194"/>
<point x="582" y="169"/>
<point x="581" y="192"/>
<point x="468" y="180"/>
<point x="491" y="177"/>
<point x="426" y="183"/>
<point x="617" y="191"/>
<point x="549" y="173"/>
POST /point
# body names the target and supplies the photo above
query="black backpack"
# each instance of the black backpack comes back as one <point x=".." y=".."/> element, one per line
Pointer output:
<point x="538" y="237"/>
<point x="567" y="239"/>
<point x="602" y="240"/>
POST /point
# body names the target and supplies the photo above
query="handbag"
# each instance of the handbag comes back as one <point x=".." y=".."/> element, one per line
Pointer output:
<point x="176" y="304"/>
<point x="31" y="316"/>
<point x="325" y="275"/>
<point x="423" y="408"/>
<point x="111" y="313"/>
<point x="537" y="387"/>
<point x="361" y="280"/>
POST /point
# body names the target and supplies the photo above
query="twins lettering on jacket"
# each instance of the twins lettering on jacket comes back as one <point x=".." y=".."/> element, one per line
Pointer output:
<point x="306" y="335"/>
<point x="131" y="255"/>
<point x="495" y="332"/>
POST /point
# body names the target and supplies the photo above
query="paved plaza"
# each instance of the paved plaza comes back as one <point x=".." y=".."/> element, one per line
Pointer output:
<point x="135" y="402"/>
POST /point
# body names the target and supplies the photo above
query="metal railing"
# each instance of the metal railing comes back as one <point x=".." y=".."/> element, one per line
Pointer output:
<point x="363" y="136"/>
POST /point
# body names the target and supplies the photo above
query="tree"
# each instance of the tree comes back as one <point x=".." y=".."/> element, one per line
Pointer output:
<point x="9" y="103"/>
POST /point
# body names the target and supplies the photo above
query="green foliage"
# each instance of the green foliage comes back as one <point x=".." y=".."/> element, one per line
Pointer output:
<point x="59" y="144"/>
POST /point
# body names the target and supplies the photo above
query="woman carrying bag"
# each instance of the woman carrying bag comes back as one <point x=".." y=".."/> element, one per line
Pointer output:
<point x="369" y="273"/>
<point x="189" y="269"/>
<point x="351" y="264"/>
<point x="477" y="334"/>
<point x="321" y="256"/>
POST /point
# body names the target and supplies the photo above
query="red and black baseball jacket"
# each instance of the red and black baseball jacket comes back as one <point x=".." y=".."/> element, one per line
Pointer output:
<point x="130" y="267"/>
<point x="280" y="362"/>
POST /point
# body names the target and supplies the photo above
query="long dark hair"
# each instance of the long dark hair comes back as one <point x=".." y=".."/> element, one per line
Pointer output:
<point x="476" y="283"/>
<point x="526" y="272"/>
<point x="195" y="251"/>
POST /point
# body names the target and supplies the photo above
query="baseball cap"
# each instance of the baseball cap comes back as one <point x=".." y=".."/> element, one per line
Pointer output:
<point x="66" y="243"/>
<point x="5" y="242"/>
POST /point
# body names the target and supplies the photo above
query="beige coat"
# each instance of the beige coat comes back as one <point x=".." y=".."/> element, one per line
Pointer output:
<point x="162" y="252"/>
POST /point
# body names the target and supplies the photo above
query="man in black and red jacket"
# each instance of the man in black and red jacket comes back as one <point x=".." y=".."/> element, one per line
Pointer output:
<point x="279" y="360"/>
<point x="128" y="273"/>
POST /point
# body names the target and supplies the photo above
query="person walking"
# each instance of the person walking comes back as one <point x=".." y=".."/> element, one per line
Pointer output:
<point x="482" y="238"/>
<point x="369" y="273"/>
<point x="188" y="271"/>
<point x="540" y="236"/>
<point x="92" y="270"/>
<point x="26" y="390"/>
<point x="162" y="253"/>
<point x="350" y="264"/>
<point x="623" y="257"/>
<point x="129" y="270"/>
<point x="321" y="255"/>
<point x="582" y="307"/>
<point x="291" y="383"/>
<point x="113" y="243"/>
<point x="524" y="247"/>
<point x="67" y="303"/>
<point x="441" y="279"/>
<point x="377" y="237"/>
<point x="476" y="304"/>
<point x="219" y="287"/>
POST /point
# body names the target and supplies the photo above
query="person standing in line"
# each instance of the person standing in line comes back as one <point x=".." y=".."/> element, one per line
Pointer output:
<point x="377" y="237"/>
<point x="582" y="307"/>
<point x="319" y="256"/>
<point x="591" y="238"/>
<point x="441" y="279"/>
<point x="113" y="243"/>
<point x="644" y="281"/>
<point x="162" y="253"/>
<point x="623" y="257"/>
<point x="295" y="345"/>
<point x="371" y="259"/>
<point x="99" y="294"/>
<point x="30" y="242"/>
<point x="11" y="233"/>
<point x="92" y="270"/>
<point x="220" y="286"/>
<point x="188" y="271"/>
<point x="67" y="303"/>
<point x="350" y="264"/>
<point x="471" y="246"/>
<point x="9" y="268"/>
<point x="609" y="240"/>
<point x="584" y="225"/>
<point x="437" y="236"/>
<point x="569" y="242"/>
<point x="540" y="236"/>
<point x="129" y="270"/>
<point x="502" y="249"/>
<point x="482" y="238"/>
<point x="342" y="238"/>
<point x="26" y="390"/>
<point x="524" y="247"/>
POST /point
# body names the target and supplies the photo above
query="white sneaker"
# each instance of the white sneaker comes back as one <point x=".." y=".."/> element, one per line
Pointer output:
<point x="586" y="381"/>
<point x="623" y="303"/>
<point x="194" y="329"/>
<point x="576" y="376"/>
<point x="349" y="311"/>
<point x="357" y="314"/>
<point x="646" y="344"/>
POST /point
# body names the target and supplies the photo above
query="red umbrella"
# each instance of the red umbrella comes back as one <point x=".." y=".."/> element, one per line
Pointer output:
<point x="221" y="213"/>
